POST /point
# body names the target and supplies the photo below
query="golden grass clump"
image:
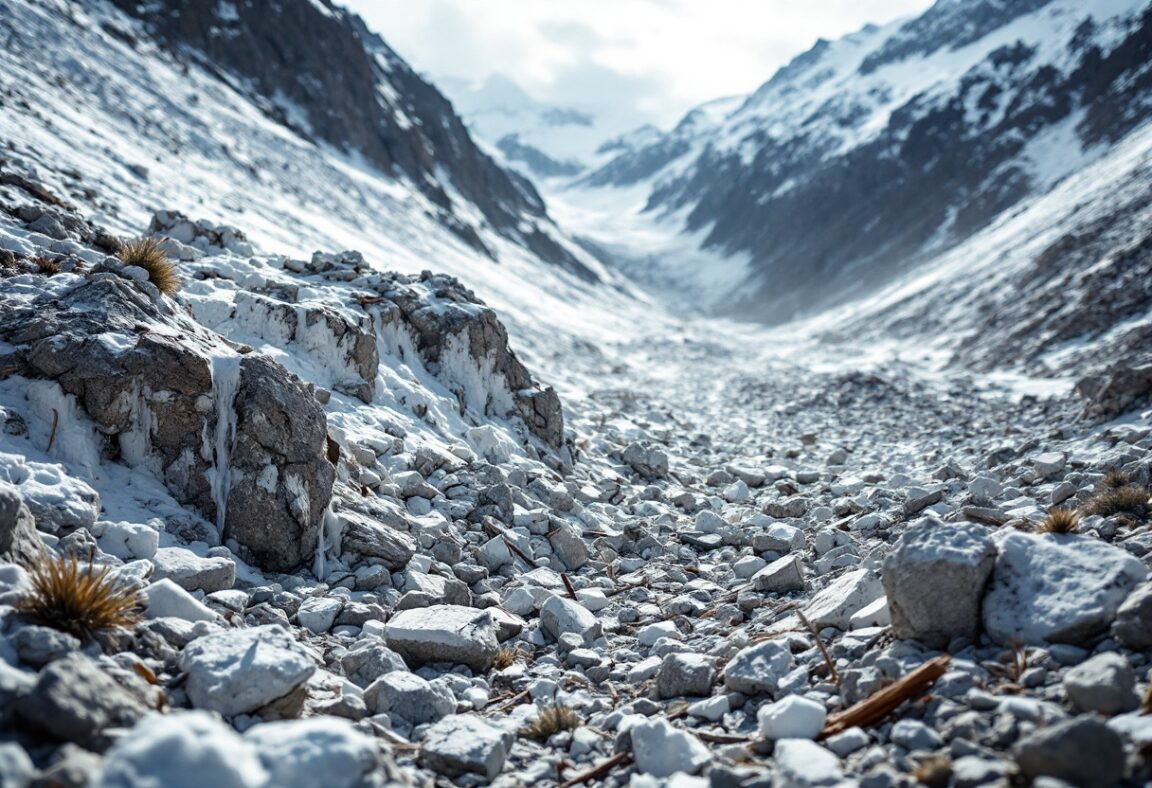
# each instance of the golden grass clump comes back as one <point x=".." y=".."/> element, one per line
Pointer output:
<point x="1060" y="521"/>
<point x="1115" y="478"/>
<point x="147" y="253"/>
<point x="82" y="601"/>
<point x="552" y="720"/>
<point x="505" y="658"/>
<point x="1129" y="499"/>
<point x="46" y="265"/>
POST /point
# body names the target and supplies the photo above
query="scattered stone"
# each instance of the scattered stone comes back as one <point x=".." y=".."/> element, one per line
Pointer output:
<point x="409" y="696"/>
<point x="793" y="717"/>
<point x="845" y="596"/>
<point x="935" y="580"/>
<point x="800" y="762"/>
<point x="757" y="669"/>
<point x="662" y="750"/>
<point x="1056" y="588"/>
<point x="782" y="576"/>
<point x="1133" y="625"/>
<point x="1106" y="683"/>
<point x="1081" y="751"/>
<point x="443" y="633"/>
<point x="685" y="674"/>
<point x="465" y="744"/>
<point x="559" y="615"/>
<point x="240" y="671"/>
<point x="190" y="572"/>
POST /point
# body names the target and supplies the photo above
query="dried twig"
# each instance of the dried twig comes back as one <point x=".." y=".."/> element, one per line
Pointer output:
<point x="571" y="589"/>
<point x="55" y="424"/>
<point x="880" y="704"/>
<point x="599" y="770"/>
<point x="721" y="738"/>
<point x="820" y="645"/>
<point x="514" y="700"/>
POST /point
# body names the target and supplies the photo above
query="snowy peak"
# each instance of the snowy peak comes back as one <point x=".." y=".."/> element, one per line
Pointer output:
<point x="867" y="155"/>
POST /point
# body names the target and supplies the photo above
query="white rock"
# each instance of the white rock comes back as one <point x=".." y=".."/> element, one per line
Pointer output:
<point x="984" y="488"/>
<point x="662" y="750"/>
<point x="847" y="742"/>
<point x="16" y="768"/>
<point x="190" y="571"/>
<point x="1106" y="683"/>
<point x="127" y="540"/>
<point x="1056" y="588"/>
<point x="758" y="668"/>
<point x="712" y="709"/>
<point x="592" y="598"/>
<point x="793" y="717"/>
<point x="165" y="599"/>
<point x="318" y="614"/>
<point x="748" y="566"/>
<point x="874" y="614"/>
<point x="1049" y="463"/>
<point x="648" y="635"/>
<point x="560" y="614"/>
<point x="800" y="762"/>
<point x="848" y="594"/>
<point x="242" y="670"/>
<point x="444" y="633"/>
<point x="783" y="575"/>
<point x="325" y="751"/>
<point x="464" y="743"/>
<point x="181" y="750"/>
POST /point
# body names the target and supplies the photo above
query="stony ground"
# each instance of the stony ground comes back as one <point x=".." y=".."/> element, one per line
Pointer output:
<point x="747" y="536"/>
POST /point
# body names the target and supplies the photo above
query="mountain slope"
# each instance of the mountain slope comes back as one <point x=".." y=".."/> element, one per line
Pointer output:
<point x="866" y="155"/>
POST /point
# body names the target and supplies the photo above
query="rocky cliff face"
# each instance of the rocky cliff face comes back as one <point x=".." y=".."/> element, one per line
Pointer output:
<point x="871" y="153"/>
<point x="316" y="68"/>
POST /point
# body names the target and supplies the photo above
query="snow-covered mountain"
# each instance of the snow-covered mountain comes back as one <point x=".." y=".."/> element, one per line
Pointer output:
<point x="869" y="154"/>
<point x="544" y="140"/>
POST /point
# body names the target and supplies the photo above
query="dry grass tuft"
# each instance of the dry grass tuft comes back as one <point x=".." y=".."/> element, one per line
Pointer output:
<point x="934" y="771"/>
<point x="505" y="658"/>
<point x="1115" y="478"/>
<point x="1060" y="521"/>
<point x="551" y="721"/>
<point x="46" y="265"/>
<point x="83" y="601"/>
<point x="1130" y="499"/>
<point x="147" y="253"/>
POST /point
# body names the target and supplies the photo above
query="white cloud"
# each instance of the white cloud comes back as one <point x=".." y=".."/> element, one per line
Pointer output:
<point x="640" y="60"/>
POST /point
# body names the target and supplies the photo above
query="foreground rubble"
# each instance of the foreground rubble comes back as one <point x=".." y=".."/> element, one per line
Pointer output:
<point x="373" y="555"/>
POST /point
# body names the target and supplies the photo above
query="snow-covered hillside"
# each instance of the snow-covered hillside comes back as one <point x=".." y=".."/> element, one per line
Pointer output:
<point x="872" y="153"/>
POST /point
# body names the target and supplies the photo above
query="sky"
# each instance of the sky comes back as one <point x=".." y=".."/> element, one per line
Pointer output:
<point x="636" y="60"/>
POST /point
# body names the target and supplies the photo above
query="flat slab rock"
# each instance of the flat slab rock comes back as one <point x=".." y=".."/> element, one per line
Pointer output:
<point x="466" y="744"/>
<point x="443" y="633"/>
<point x="1056" y="588"/>
<point x="242" y="670"/>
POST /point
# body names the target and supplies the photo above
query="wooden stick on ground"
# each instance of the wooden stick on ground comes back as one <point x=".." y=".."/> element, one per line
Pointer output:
<point x="571" y="589"/>
<point x="879" y="705"/>
<point x="599" y="770"/>
<point x="55" y="424"/>
<point x="820" y="645"/>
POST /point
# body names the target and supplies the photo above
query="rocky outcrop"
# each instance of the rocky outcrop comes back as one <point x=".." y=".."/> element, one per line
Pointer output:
<point x="238" y="437"/>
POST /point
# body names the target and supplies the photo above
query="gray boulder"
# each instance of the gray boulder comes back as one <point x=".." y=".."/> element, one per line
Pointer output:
<point x="758" y="668"/>
<point x="685" y="674"/>
<point x="559" y="615"/>
<point x="443" y="633"/>
<point x="1082" y="751"/>
<point x="1056" y="588"/>
<point x="935" y="580"/>
<point x="1105" y="683"/>
<point x="19" y="542"/>
<point x="191" y="572"/>
<point x="1133" y="625"/>
<point x="368" y="537"/>
<point x="406" y="695"/>
<point x="74" y="700"/>
<point x="147" y="389"/>
<point x="465" y="744"/>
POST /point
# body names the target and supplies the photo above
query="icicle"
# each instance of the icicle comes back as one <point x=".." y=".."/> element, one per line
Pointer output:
<point x="225" y="385"/>
<point x="327" y="523"/>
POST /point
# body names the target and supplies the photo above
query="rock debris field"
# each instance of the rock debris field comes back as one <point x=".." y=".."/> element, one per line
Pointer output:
<point x="362" y="544"/>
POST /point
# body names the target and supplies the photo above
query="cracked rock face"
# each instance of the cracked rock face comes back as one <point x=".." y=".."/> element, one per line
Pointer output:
<point x="135" y="380"/>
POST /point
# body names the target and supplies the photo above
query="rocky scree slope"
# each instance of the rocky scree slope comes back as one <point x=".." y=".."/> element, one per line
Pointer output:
<point x="867" y="155"/>
<point x="468" y="575"/>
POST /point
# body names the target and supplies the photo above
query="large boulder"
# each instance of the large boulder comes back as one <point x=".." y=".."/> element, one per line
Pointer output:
<point x="935" y="579"/>
<point x="19" y="542"/>
<point x="1056" y="588"/>
<point x="155" y="384"/>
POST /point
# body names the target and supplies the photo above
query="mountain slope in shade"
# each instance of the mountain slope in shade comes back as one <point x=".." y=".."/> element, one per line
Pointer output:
<point x="866" y="155"/>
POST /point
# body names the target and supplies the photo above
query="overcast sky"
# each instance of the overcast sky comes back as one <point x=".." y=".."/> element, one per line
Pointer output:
<point x="647" y="59"/>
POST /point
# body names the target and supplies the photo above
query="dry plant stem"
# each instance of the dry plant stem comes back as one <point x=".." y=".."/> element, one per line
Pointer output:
<point x="820" y="645"/>
<point x="568" y="586"/>
<point x="599" y="770"/>
<point x="55" y="424"/>
<point x="879" y="705"/>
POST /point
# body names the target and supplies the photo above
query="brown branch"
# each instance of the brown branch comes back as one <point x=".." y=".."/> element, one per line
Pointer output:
<point x="820" y="645"/>
<point x="515" y="699"/>
<point x="599" y="770"/>
<point x="55" y="424"/>
<point x="568" y="585"/>
<point x="721" y="738"/>
<point x="879" y="705"/>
